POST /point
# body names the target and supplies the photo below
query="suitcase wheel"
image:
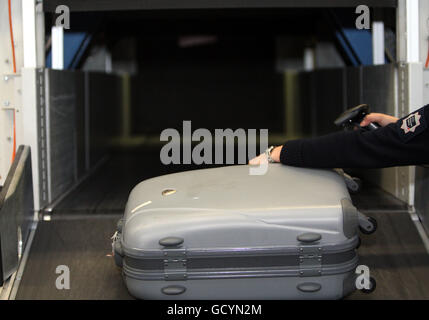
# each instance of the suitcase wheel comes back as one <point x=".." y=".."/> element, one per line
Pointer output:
<point x="372" y="286"/>
<point x="357" y="185"/>
<point x="118" y="259"/>
<point x="359" y="243"/>
<point x="369" y="227"/>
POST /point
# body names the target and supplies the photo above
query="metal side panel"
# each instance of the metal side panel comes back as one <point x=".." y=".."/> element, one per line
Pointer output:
<point x="380" y="91"/>
<point x="330" y="98"/>
<point x="292" y="104"/>
<point x="354" y="86"/>
<point x="307" y="104"/>
<point x="421" y="199"/>
<point x="16" y="211"/>
<point x="75" y="126"/>
<point x="79" y="91"/>
<point x="64" y="101"/>
<point x="104" y="103"/>
<point x="34" y="130"/>
<point x="378" y="88"/>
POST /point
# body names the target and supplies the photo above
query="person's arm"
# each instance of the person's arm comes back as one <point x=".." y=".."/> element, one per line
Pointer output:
<point x="402" y="142"/>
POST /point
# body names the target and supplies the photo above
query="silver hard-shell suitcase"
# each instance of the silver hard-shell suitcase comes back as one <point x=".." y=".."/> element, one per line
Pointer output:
<point x="225" y="234"/>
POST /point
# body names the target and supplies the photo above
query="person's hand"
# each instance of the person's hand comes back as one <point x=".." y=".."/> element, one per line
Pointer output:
<point x="380" y="118"/>
<point x="262" y="158"/>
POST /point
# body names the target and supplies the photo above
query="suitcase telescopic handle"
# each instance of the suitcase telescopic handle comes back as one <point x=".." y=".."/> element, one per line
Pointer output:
<point x="352" y="118"/>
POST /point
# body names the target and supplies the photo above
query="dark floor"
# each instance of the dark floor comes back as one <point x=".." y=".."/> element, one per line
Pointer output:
<point x="79" y="236"/>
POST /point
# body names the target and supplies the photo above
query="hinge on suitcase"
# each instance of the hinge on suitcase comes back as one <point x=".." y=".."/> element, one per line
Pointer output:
<point x="310" y="261"/>
<point x="175" y="264"/>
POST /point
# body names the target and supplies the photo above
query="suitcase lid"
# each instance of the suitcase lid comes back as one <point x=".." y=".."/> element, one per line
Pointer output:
<point x="228" y="209"/>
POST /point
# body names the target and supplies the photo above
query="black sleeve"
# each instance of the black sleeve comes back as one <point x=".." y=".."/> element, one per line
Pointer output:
<point x="405" y="142"/>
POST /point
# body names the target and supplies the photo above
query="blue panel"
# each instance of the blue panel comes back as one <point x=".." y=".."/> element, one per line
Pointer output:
<point x="346" y="48"/>
<point x="360" y="42"/>
<point x="357" y="44"/>
<point x="75" y="44"/>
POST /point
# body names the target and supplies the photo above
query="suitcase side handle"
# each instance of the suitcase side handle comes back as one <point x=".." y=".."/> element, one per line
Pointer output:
<point x="309" y="237"/>
<point x="309" y="287"/>
<point x="171" y="241"/>
<point x="173" y="290"/>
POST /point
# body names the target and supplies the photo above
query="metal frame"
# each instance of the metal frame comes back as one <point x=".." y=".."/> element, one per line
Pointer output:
<point x="17" y="92"/>
<point x="114" y="5"/>
<point x="410" y="87"/>
<point x="33" y="111"/>
<point x="10" y="84"/>
<point x="33" y="87"/>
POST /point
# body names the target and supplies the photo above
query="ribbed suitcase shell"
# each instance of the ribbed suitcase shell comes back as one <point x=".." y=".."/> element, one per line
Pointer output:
<point x="225" y="234"/>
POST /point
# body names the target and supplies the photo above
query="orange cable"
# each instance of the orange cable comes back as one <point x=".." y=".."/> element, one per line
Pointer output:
<point x="427" y="59"/>
<point x="11" y="36"/>
<point x="14" y="71"/>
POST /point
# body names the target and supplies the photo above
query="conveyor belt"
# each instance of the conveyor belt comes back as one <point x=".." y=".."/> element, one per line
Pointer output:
<point x="395" y="254"/>
<point x="82" y="245"/>
<point x="107" y="191"/>
<point x="396" y="257"/>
